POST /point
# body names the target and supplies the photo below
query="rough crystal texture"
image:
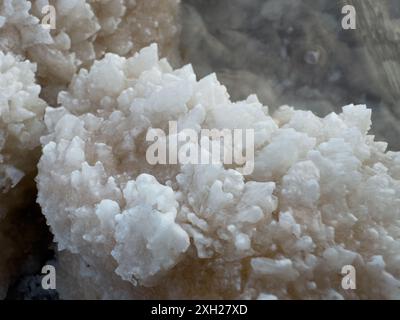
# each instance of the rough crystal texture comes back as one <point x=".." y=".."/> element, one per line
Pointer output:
<point x="84" y="30"/>
<point x="323" y="194"/>
<point x="21" y="125"/>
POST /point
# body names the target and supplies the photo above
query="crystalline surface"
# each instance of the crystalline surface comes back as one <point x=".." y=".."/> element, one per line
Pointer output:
<point x="21" y="125"/>
<point x="322" y="195"/>
<point x="84" y="31"/>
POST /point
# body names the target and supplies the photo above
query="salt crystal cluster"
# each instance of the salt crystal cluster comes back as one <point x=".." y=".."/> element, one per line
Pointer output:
<point x="323" y="194"/>
<point x="84" y="30"/>
<point x="21" y="125"/>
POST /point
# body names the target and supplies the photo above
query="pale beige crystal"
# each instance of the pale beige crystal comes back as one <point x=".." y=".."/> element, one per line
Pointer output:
<point x="84" y="30"/>
<point x="323" y="194"/>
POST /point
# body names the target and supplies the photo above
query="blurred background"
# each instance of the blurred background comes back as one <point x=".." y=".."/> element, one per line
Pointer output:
<point x="296" y="52"/>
